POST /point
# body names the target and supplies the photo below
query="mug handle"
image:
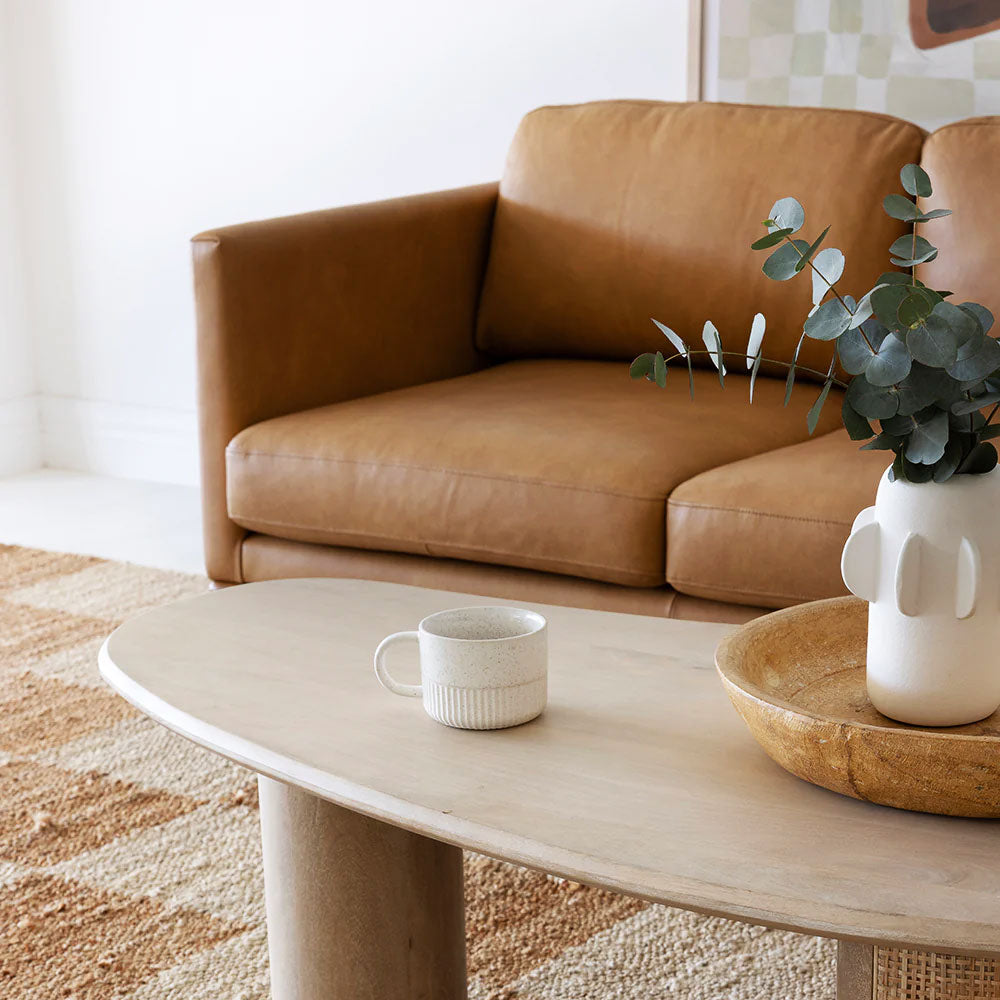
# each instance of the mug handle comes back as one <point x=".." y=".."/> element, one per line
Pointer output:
<point x="409" y="690"/>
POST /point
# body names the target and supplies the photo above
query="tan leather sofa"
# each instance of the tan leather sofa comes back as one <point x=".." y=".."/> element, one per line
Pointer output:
<point x="434" y="390"/>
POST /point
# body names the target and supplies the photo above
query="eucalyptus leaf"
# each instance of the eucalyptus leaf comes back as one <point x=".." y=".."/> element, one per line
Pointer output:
<point x="660" y="370"/>
<point x="915" y="181"/>
<point x="914" y="472"/>
<point x="753" y="373"/>
<point x="949" y="461"/>
<point x="828" y="322"/>
<point x="787" y="213"/>
<point x="934" y="213"/>
<point x="886" y="302"/>
<point x="882" y="442"/>
<point x="893" y="278"/>
<point x="933" y="342"/>
<point x="991" y="431"/>
<point x="828" y="268"/>
<point x="982" y="459"/>
<point x="872" y="401"/>
<point x="983" y="316"/>
<point x="896" y="472"/>
<point x="790" y="378"/>
<point x="858" y="428"/>
<point x="914" y="261"/>
<point x="857" y="347"/>
<point x="642" y="366"/>
<point x="926" y="442"/>
<point x="964" y="325"/>
<point x="976" y="403"/>
<point x="757" y="328"/>
<point x="890" y="364"/>
<point x="982" y="364"/>
<point x="899" y="426"/>
<point x="863" y="310"/>
<point x="916" y="307"/>
<point x="912" y="247"/>
<point x="772" y="239"/>
<point x="898" y="207"/>
<point x="968" y="424"/>
<point x="812" y="418"/>
<point x="710" y="335"/>
<point x="780" y="266"/>
<point x="679" y="346"/>
<point x="813" y="247"/>
<point x="922" y="387"/>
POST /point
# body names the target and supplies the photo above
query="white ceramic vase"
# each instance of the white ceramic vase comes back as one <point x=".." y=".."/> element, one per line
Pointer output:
<point x="927" y="559"/>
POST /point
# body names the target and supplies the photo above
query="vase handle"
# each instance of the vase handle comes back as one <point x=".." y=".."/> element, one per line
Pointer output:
<point x="859" y="563"/>
<point x="968" y="579"/>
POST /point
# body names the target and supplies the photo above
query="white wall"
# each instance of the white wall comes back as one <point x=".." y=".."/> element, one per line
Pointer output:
<point x="139" y="124"/>
<point x="20" y="446"/>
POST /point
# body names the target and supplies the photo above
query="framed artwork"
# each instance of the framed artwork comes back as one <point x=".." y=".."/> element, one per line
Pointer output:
<point x="938" y="22"/>
<point x="928" y="61"/>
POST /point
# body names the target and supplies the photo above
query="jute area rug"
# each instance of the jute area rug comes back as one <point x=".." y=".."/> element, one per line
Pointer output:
<point x="130" y="867"/>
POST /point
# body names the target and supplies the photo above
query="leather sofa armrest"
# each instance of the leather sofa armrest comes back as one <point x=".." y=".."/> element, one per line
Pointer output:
<point x="314" y="309"/>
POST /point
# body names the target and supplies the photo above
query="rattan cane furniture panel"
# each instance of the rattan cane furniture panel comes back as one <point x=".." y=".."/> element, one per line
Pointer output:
<point x="903" y="974"/>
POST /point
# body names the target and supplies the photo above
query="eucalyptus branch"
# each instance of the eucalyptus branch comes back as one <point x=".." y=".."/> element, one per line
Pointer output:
<point x="833" y="288"/>
<point x="921" y="359"/>
<point x="767" y="361"/>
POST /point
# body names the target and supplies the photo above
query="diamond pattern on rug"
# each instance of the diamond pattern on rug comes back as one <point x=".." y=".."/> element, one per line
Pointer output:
<point x="21" y="567"/>
<point x="208" y="860"/>
<point x="48" y="814"/>
<point x="130" y="859"/>
<point x="39" y="712"/>
<point x="36" y="632"/>
<point x="64" y="939"/>
<point x="149" y="756"/>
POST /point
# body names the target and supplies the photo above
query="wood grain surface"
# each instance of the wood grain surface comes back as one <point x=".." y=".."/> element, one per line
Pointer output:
<point x="639" y="777"/>
<point x="798" y="679"/>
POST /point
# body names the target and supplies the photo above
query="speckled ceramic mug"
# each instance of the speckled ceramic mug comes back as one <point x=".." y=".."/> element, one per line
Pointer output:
<point x="480" y="668"/>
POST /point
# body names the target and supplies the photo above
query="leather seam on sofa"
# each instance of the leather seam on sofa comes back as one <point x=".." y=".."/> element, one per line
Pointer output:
<point x="759" y="513"/>
<point x="456" y="473"/>
<point x="732" y="595"/>
<point x="649" y="579"/>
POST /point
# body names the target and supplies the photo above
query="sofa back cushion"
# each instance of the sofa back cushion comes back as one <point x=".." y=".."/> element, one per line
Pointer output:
<point x="614" y="212"/>
<point x="962" y="161"/>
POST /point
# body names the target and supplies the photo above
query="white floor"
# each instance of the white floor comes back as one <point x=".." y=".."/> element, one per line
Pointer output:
<point x="152" y="524"/>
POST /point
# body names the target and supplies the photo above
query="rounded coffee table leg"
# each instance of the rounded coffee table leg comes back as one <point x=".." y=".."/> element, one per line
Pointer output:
<point x="357" y="909"/>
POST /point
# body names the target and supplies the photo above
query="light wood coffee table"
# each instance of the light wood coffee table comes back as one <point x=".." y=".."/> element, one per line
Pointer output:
<point x="638" y="778"/>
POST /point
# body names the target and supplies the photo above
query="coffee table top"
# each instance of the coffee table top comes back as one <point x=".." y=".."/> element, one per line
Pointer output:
<point x="639" y="777"/>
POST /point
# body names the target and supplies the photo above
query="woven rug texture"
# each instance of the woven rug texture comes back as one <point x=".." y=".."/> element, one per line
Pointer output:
<point x="130" y="859"/>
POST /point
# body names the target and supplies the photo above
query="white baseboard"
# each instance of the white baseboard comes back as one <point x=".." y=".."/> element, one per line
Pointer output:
<point x="20" y="436"/>
<point x="120" y="439"/>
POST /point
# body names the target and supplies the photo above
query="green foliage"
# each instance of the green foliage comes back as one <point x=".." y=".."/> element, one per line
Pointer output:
<point x="786" y="213"/>
<point x="915" y="181"/>
<point x="813" y="247"/>
<point x="771" y="240"/>
<point x="922" y="369"/>
<point x="780" y="266"/>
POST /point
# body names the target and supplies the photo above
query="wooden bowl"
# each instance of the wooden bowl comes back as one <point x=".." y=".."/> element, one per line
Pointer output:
<point x="797" y="677"/>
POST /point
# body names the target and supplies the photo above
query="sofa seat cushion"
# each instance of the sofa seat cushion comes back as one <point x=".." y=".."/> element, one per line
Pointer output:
<point x="768" y="531"/>
<point x="562" y="466"/>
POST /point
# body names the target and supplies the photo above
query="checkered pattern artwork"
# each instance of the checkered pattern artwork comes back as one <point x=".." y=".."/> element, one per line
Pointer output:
<point x="845" y="54"/>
